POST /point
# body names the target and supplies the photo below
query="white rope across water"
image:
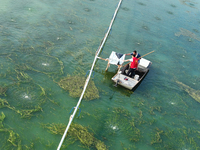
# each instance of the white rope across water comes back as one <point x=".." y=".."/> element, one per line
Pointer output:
<point x="88" y="78"/>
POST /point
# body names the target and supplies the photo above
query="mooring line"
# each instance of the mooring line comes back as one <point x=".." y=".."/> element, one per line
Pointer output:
<point x="88" y="78"/>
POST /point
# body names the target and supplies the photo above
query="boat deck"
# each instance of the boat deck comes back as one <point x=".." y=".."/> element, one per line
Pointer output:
<point x="124" y="80"/>
<point x="130" y="83"/>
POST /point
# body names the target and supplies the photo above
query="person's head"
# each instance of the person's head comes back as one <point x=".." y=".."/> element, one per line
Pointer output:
<point x="133" y="55"/>
<point x="135" y="52"/>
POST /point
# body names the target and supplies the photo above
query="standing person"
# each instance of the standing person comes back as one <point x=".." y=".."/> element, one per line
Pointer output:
<point x="133" y="66"/>
<point x="137" y="55"/>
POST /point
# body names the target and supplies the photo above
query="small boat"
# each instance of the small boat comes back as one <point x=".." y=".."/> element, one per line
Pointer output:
<point x="121" y="78"/>
<point x="132" y="83"/>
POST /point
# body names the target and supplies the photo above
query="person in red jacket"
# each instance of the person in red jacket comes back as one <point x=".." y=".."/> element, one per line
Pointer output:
<point x="133" y="66"/>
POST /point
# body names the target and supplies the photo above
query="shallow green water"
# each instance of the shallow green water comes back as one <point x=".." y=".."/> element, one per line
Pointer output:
<point x="43" y="41"/>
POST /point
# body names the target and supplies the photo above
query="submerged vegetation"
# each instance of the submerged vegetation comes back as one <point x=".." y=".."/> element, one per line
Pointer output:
<point x="172" y="5"/>
<point x="28" y="98"/>
<point x="195" y="94"/>
<point x="125" y="8"/>
<point x="4" y="103"/>
<point x="45" y="64"/>
<point x="188" y="33"/>
<point x="12" y="139"/>
<point x="121" y="120"/>
<point x="189" y="3"/>
<point x="77" y="132"/>
<point x="25" y="113"/>
<point x="157" y="137"/>
<point x="140" y="3"/>
<point x="3" y="90"/>
<point x="2" y="117"/>
<point x="75" y="85"/>
<point x="34" y="52"/>
<point x="169" y="12"/>
<point x="157" y="18"/>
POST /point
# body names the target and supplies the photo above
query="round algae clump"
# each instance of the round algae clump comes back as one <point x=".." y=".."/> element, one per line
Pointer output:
<point x="75" y="85"/>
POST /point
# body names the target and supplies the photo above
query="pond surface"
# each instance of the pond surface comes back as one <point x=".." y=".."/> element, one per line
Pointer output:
<point x="43" y="42"/>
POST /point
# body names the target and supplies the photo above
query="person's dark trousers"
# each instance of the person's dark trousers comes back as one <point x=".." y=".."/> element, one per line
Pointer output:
<point x="131" y="72"/>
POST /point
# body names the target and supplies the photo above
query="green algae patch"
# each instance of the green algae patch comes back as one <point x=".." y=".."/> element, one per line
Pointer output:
<point x="77" y="132"/>
<point x="13" y="139"/>
<point x="28" y="113"/>
<point x="121" y="120"/>
<point x="142" y="4"/>
<point x="87" y="138"/>
<point x="155" y="108"/>
<point x="21" y="75"/>
<point x="188" y="3"/>
<point x="6" y="65"/>
<point x="4" y="103"/>
<point x="100" y="145"/>
<point x="82" y="133"/>
<point x="195" y="94"/>
<point x="157" y="137"/>
<point x="75" y="85"/>
<point x="3" y="91"/>
<point x="44" y="64"/>
<point x="188" y="33"/>
<point x="55" y="128"/>
<point x="28" y="96"/>
<point x="10" y="139"/>
<point x="2" y="117"/>
<point x="25" y="113"/>
<point x="176" y="138"/>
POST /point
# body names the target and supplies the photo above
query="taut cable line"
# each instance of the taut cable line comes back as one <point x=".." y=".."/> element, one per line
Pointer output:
<point x="88" y="78"/>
